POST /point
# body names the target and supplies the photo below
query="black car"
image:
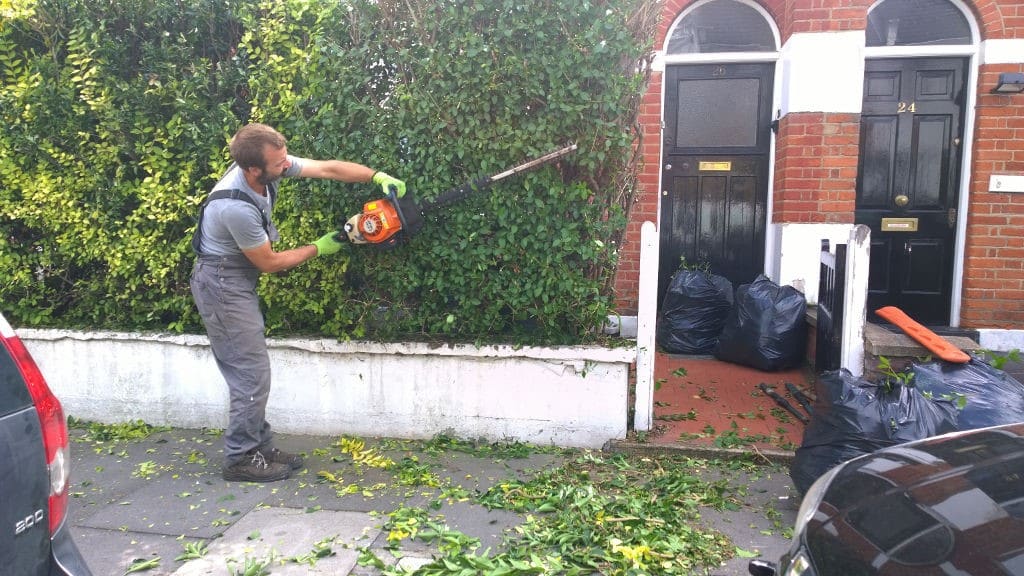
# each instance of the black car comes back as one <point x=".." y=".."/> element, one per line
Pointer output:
<point x="951" y="504"/>
<point x="33" y="470"/>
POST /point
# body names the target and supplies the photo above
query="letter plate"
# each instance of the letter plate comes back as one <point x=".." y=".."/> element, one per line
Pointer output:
<point x="899" y="224"/>
<point x="715" y="166"/>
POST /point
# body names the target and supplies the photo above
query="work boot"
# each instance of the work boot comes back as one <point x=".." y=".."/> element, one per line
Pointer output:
<point x="293" y="461"/>
<point x="254" y="467"/>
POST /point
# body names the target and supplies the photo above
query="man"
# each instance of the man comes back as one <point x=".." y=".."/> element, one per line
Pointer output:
<point x="233" y="243"/>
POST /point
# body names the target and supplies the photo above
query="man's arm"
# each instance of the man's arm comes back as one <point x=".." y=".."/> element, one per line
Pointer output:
<point x="268" y="261"/>
<point x="335" y="170"/>
<point x="344" y="171"/>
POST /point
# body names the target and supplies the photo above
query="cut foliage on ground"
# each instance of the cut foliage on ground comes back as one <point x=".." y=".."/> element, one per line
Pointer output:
<point x="547" y="509"/>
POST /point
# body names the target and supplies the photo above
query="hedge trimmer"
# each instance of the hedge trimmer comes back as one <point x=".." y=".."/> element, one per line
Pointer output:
<point x="386" y="222"/>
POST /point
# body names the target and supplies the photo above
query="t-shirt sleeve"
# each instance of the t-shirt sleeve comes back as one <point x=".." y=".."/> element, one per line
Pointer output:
<point x="295" y="168"/>
<point x="245" y="224"/>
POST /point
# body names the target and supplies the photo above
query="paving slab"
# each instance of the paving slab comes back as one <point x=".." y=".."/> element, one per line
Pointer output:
<point x="481" y="474"/>
<point x="490" y="527"/>
<point x="105" y="473"/>
<point x="112" y="552"/>
<point x="763" y="523"/>
<point x="182" y="505"/>
<point x="287" y="539"/>
<point x="351" y="488"/>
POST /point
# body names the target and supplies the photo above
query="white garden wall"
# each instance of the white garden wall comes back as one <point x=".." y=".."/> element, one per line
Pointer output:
<point x="569" y="396"/>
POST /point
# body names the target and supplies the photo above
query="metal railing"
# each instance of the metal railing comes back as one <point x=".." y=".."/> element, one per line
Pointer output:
<point x="831" y="302"/>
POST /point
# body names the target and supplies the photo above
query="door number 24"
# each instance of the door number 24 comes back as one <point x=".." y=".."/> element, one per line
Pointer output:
<point x="902" y="107"/>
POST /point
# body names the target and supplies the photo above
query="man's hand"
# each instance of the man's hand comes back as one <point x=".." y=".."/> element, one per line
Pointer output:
<point x="328" y="243"/>
<point x="386" y="182"/>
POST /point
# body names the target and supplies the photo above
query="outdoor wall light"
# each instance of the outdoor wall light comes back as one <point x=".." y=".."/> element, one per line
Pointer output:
<point x="1009" y="83"/>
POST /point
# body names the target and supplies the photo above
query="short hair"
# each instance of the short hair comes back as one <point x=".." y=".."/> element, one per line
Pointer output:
<point x="248" y="143"/>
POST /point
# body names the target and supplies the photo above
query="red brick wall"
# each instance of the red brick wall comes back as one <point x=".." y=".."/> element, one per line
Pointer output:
<point x="993" y="286"/>
<point x="816" y="162"/>
<point x="645" y="207"/>
<point x="824" y="16"/>
<point x="816" y="167"/>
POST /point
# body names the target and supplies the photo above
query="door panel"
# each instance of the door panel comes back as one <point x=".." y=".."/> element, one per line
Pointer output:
<point x="923" y="276"/>
<point x="930" y="156"/>
<point x="878" y="161"/>
<point x="717" y="112"/>
<point x="715" y="171"/>
<point x="909" y="160"/>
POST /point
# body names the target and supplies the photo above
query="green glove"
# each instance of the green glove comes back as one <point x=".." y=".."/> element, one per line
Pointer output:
<point x="386" y="182"/>
<point x="328" y="243"/>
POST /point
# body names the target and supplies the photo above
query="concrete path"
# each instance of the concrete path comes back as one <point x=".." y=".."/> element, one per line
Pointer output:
<point x="161" y="498"/>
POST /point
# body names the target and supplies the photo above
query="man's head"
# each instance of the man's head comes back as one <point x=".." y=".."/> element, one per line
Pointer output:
<point x="261" y="151"/>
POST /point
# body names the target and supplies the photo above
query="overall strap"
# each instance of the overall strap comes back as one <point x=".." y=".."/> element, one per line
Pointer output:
<point x="232" y="194"/>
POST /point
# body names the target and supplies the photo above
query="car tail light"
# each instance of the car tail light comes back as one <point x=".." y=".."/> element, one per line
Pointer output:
<point x="51" y="419"/>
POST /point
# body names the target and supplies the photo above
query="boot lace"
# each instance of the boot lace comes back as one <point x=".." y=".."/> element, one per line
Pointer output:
<point x="258" y="460"/>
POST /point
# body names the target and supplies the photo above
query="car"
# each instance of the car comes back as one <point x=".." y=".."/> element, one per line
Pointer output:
<point x="34" y="471"/>
<point x="950" y="504"/>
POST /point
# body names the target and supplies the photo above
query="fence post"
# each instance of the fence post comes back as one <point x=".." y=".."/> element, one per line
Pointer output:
<point x="647" y="318"/>
<point x="858" y="263"/>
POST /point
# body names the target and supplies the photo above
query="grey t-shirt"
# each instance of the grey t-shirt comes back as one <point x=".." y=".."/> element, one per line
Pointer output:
<point x="230" y="226"/>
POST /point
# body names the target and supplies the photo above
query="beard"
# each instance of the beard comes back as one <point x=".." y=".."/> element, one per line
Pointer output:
<point x="267" y="178"/>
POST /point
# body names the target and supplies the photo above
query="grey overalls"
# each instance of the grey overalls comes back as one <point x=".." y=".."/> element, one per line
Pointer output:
<point x="224" y="289"/>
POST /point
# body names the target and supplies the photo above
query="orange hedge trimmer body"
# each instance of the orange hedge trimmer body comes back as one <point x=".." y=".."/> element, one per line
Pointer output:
<point x="387" y="221"/>
<point x="378" y="222"/>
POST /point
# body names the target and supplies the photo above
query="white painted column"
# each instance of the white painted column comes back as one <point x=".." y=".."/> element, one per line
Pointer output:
<point x="647" y="319"/>
<point x="823" y="72"/>
<point x="858" y="263"/>
<point x="798" y="248"/>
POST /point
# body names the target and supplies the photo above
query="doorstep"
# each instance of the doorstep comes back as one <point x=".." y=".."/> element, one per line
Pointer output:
<point x="880" y="341"/>
<point x="901" y="350"/>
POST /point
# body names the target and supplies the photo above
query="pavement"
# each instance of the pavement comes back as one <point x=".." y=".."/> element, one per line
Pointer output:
<point x="160" y="498"/>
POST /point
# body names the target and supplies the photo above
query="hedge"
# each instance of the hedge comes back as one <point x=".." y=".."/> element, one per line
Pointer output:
<point x="117" y="114"/>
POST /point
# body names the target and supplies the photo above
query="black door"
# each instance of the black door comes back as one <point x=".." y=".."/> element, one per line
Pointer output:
<point x="908" y="182"/>
<point x="715" y="170"/>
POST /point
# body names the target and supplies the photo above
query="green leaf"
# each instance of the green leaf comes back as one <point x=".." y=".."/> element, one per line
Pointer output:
<point x="746" y="553"/>
<point x="143" y="564"/>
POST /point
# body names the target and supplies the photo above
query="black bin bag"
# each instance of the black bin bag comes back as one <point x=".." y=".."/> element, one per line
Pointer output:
<point x="767" y="328"/>
<point x="992" y="396"/>
<point x="853" y="417"/>
<point x="693" y="312"/>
